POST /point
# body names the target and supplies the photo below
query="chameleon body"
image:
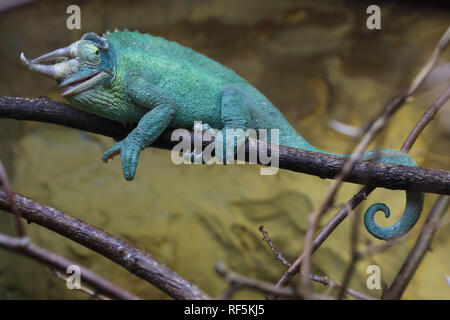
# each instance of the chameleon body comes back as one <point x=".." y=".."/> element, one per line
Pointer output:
<point x="133" y="77"/>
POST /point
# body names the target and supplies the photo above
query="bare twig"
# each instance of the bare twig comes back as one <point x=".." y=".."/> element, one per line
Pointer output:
<point x="308" y="162"/>
<point x="419" y="250"/>
<point x="138" y="262"/>
<point x="238" y="281"/>
<point x="425" y="119"/>
<point x="380" y="247"/>
<point x="429" y="65"/>
<point x="278" y="254"/>
<point x="329" y="282"/>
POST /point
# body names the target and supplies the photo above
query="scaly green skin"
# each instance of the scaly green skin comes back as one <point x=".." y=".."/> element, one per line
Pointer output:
<point x="160" y="84"/>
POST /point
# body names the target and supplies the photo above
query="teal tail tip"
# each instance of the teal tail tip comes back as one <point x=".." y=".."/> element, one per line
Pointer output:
<point x="414" y="205"/>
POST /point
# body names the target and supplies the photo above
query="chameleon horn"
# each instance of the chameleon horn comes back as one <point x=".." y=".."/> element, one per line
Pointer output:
<point x="55" y="56"/>
<point x="44" y="69"/>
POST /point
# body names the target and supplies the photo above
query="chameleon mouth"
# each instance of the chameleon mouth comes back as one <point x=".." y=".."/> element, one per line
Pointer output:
<point x="77" y="85"/>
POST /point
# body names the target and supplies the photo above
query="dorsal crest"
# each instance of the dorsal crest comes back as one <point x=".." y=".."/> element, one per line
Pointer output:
<point x="95" y="38"/>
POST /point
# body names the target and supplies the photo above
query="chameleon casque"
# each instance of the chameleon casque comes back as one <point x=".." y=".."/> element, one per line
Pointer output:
<point x="138" y="78"/>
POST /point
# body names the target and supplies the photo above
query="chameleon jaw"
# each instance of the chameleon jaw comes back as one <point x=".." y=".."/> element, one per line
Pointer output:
<point x="79" y="84"/>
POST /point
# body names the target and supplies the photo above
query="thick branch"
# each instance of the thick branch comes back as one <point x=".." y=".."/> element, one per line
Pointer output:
<point x="138" y="262"/>
<point x="318" y="164"/>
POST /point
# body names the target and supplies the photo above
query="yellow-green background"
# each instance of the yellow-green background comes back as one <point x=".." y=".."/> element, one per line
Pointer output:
<point x="316" y="61"/>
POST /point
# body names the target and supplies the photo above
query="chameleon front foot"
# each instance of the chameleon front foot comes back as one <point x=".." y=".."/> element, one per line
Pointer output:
<point x="129" y="152"/>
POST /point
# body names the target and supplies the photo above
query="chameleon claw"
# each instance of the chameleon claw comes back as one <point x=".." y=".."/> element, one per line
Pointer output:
<point x="129" y="173"/>
<point x="108" y="156"/>
<point x="111" y="152"/>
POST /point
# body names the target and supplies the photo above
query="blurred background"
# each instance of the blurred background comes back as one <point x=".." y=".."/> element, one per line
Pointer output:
<point x="315" y="60"/>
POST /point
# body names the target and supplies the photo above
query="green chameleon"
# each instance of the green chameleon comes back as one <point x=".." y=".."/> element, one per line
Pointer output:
<point x="138" y="78"/>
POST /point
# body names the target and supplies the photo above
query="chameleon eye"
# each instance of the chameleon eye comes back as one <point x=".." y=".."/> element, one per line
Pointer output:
<point x="89" y="53"/>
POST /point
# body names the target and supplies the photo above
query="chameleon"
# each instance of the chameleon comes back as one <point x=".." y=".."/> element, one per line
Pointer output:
<point x="132" y="77"/>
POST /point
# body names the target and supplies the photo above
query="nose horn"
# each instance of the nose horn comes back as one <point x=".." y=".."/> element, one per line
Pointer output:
<point x="55" y="56"/>
<point x="44" y="69"/>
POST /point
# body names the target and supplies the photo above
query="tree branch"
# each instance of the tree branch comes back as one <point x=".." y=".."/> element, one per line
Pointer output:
<point x="325" y="166"/>
<point x="138" y="262"/>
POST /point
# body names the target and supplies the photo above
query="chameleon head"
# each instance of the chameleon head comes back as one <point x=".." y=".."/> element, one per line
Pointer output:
<point x="86" y="64"/>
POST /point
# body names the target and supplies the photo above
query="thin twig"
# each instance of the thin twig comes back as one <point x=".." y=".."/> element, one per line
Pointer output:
<point x="380" y="247"/>
<point x="278" y="254"/>
<point x="333" y="284"/>
<point x="431" y="62"/>
<point x="238" y="281"/>
<point x="425" y="119"/>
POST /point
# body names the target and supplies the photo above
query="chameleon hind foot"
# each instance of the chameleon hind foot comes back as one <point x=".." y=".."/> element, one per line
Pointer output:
<point x="204" y="128"/>
<point x="228" y="147"/>
<point x="196" y="156"/>
<point x="226" y="151"/>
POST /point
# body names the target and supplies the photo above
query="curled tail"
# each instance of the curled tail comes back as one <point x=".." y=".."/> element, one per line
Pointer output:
<point x="414" y="200"/>
<point x="414" y="204"/>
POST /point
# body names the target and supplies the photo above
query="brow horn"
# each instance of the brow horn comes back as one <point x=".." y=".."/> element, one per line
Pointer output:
<point x="55" y="56"/>
<point x="48" y="70"/>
